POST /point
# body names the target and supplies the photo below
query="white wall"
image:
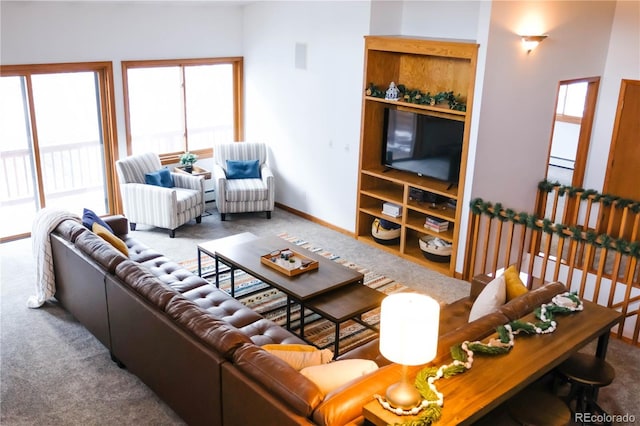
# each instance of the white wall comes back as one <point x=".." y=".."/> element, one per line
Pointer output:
<point x="309" y="117"/>
<point x="519" y="90"/>
<point x="442" y="19"/>
<point x="51" y="32"/>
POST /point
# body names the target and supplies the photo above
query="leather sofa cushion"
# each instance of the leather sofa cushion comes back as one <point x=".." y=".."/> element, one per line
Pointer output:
<point x="265" y="332"/>
<point x="520" y="306"/>
<point x="210" y="330"/>
<point x="100" y="251"/>
<point x="140" y="252"/>
<point x="279" y="379"/>
<point x="221" y="305"/>
<point x="145" y="284"/>
<point x="174" y="274"/>
<point x="70" y="230"/>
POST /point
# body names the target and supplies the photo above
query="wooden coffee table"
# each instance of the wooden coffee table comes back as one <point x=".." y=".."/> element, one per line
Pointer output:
<point x="333" y="291"/>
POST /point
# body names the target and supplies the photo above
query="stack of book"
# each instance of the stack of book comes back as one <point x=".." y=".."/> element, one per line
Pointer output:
<point x="435" y="224"/>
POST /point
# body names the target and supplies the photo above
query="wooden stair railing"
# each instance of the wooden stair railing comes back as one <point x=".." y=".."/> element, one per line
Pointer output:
<point x="600" y="267"/>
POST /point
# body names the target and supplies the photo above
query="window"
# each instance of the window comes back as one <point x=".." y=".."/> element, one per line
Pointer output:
<point x="571" y="134"/>
<point x="173" y="106"/>
<point x="56" y="141"/>
<point x="571" y="99"/>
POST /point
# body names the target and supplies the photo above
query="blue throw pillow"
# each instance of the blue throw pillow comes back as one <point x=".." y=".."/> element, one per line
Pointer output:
<point x="161" y="177"/>
<point x="237" y="169"/>
<point x="89" y="218"/>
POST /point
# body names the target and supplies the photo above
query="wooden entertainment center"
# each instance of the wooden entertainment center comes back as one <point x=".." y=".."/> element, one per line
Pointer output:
<point x="429" y="66"/>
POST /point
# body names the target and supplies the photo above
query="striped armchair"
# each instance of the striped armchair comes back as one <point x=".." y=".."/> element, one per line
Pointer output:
<point x="156" y="205"/>
<point x="243" y="195"/>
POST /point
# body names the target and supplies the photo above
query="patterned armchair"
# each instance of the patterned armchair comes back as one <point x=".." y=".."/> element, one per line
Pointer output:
<point x="236" y="195"/>
<point x="157" y="205"/>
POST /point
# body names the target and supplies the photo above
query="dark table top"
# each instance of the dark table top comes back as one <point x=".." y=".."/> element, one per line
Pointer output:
<point x="329" y="276"/>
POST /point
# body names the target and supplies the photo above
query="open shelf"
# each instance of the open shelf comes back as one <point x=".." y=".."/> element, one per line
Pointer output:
<point x="431" y="66"/>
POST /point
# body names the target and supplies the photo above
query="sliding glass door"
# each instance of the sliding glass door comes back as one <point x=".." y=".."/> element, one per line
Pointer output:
<point x="52" y="143"/>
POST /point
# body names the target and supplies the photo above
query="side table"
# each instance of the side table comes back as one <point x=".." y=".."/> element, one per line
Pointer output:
<point x="197" y="171"/>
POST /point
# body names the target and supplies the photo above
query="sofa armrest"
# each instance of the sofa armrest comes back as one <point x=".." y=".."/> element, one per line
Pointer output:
<point x="344" y="404"/>
<point x="119" y="224"/>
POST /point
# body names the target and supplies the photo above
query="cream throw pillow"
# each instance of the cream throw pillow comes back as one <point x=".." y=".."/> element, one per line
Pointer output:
<point x="300" y="356"/>
<point x="490" y="299"/>
<point x="335" y="374"/>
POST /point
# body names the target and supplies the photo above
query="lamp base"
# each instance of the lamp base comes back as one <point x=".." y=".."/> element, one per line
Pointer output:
<point x="403" y="395"/>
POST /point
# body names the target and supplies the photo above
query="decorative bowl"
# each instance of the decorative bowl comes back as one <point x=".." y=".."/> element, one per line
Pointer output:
<point x="435" y="249"/>
<point x="385" y="232"/>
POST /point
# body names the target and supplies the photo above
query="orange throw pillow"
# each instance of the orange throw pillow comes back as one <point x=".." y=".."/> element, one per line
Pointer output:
<point x="515" y="286"/>
<point x="116" y="242"/>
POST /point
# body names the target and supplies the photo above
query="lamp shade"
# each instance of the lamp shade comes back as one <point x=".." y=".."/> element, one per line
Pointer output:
<point x="409" y="328"/>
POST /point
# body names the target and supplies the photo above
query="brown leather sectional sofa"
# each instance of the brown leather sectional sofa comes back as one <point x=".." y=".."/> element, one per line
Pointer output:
<point x="199" y="349"/>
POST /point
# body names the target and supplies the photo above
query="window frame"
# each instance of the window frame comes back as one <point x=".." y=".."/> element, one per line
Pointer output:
<point x="237" y="63"/>
<point x="104" y="70"/>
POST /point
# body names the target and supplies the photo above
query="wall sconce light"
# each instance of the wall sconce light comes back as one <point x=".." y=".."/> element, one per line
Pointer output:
<point x="408" y="336"/>
<point x="530" y="42"/>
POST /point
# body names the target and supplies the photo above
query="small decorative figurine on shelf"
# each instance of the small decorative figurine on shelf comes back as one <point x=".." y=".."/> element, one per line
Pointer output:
<point x="392" y="94"/>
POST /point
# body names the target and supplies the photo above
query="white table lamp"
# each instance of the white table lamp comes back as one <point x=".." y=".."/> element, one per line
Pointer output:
<point x="408" y="336"/>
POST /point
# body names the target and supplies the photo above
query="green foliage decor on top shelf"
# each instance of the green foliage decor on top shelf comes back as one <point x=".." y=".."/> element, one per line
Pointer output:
<point x="415" y="96"/>
<point x="479" y="207"/>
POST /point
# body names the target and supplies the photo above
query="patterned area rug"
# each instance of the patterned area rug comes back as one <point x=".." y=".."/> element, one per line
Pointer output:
<point x="271" y="303"/>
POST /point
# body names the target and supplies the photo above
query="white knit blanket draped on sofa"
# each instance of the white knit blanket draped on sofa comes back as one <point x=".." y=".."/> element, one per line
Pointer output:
<point x="44" y="223"/>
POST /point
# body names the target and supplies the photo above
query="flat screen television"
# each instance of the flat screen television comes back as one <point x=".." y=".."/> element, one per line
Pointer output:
<point x="422" y="144"/>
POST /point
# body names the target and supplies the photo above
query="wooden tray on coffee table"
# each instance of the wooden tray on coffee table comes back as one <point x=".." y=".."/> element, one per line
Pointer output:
<point x="300" y="263"/>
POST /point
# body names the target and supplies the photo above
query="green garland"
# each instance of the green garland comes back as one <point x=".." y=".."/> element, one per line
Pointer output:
<point x="462" y="354"/>
<point x="479" y="207"/>
<point x="415" y="96"/>
<point x="584" y="194"/>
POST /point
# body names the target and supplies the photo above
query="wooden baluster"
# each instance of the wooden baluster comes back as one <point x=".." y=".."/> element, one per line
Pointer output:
<point x="507" y="254"/>
<point x="627" y="294"/>
<point x="545" y="256"/>
<point x="535" y="236"/>
<point x="487" y="236"/>
<point x="585" y="270"/>
<point x="585" y="227"/>
<point x="599" y="272"/>
<point x="559" y="260"/>
<point x="614" y="277"/>
<point x="473" y="244"/>
<point x="636" y="228"/>
<point x="554" y="209"/>
<point x="575" y="211"/>
<point x="496" y="248"/>
<point x="573" y="253"/>
<point x="523" y="240"/>
<point x="623" y="222"/>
